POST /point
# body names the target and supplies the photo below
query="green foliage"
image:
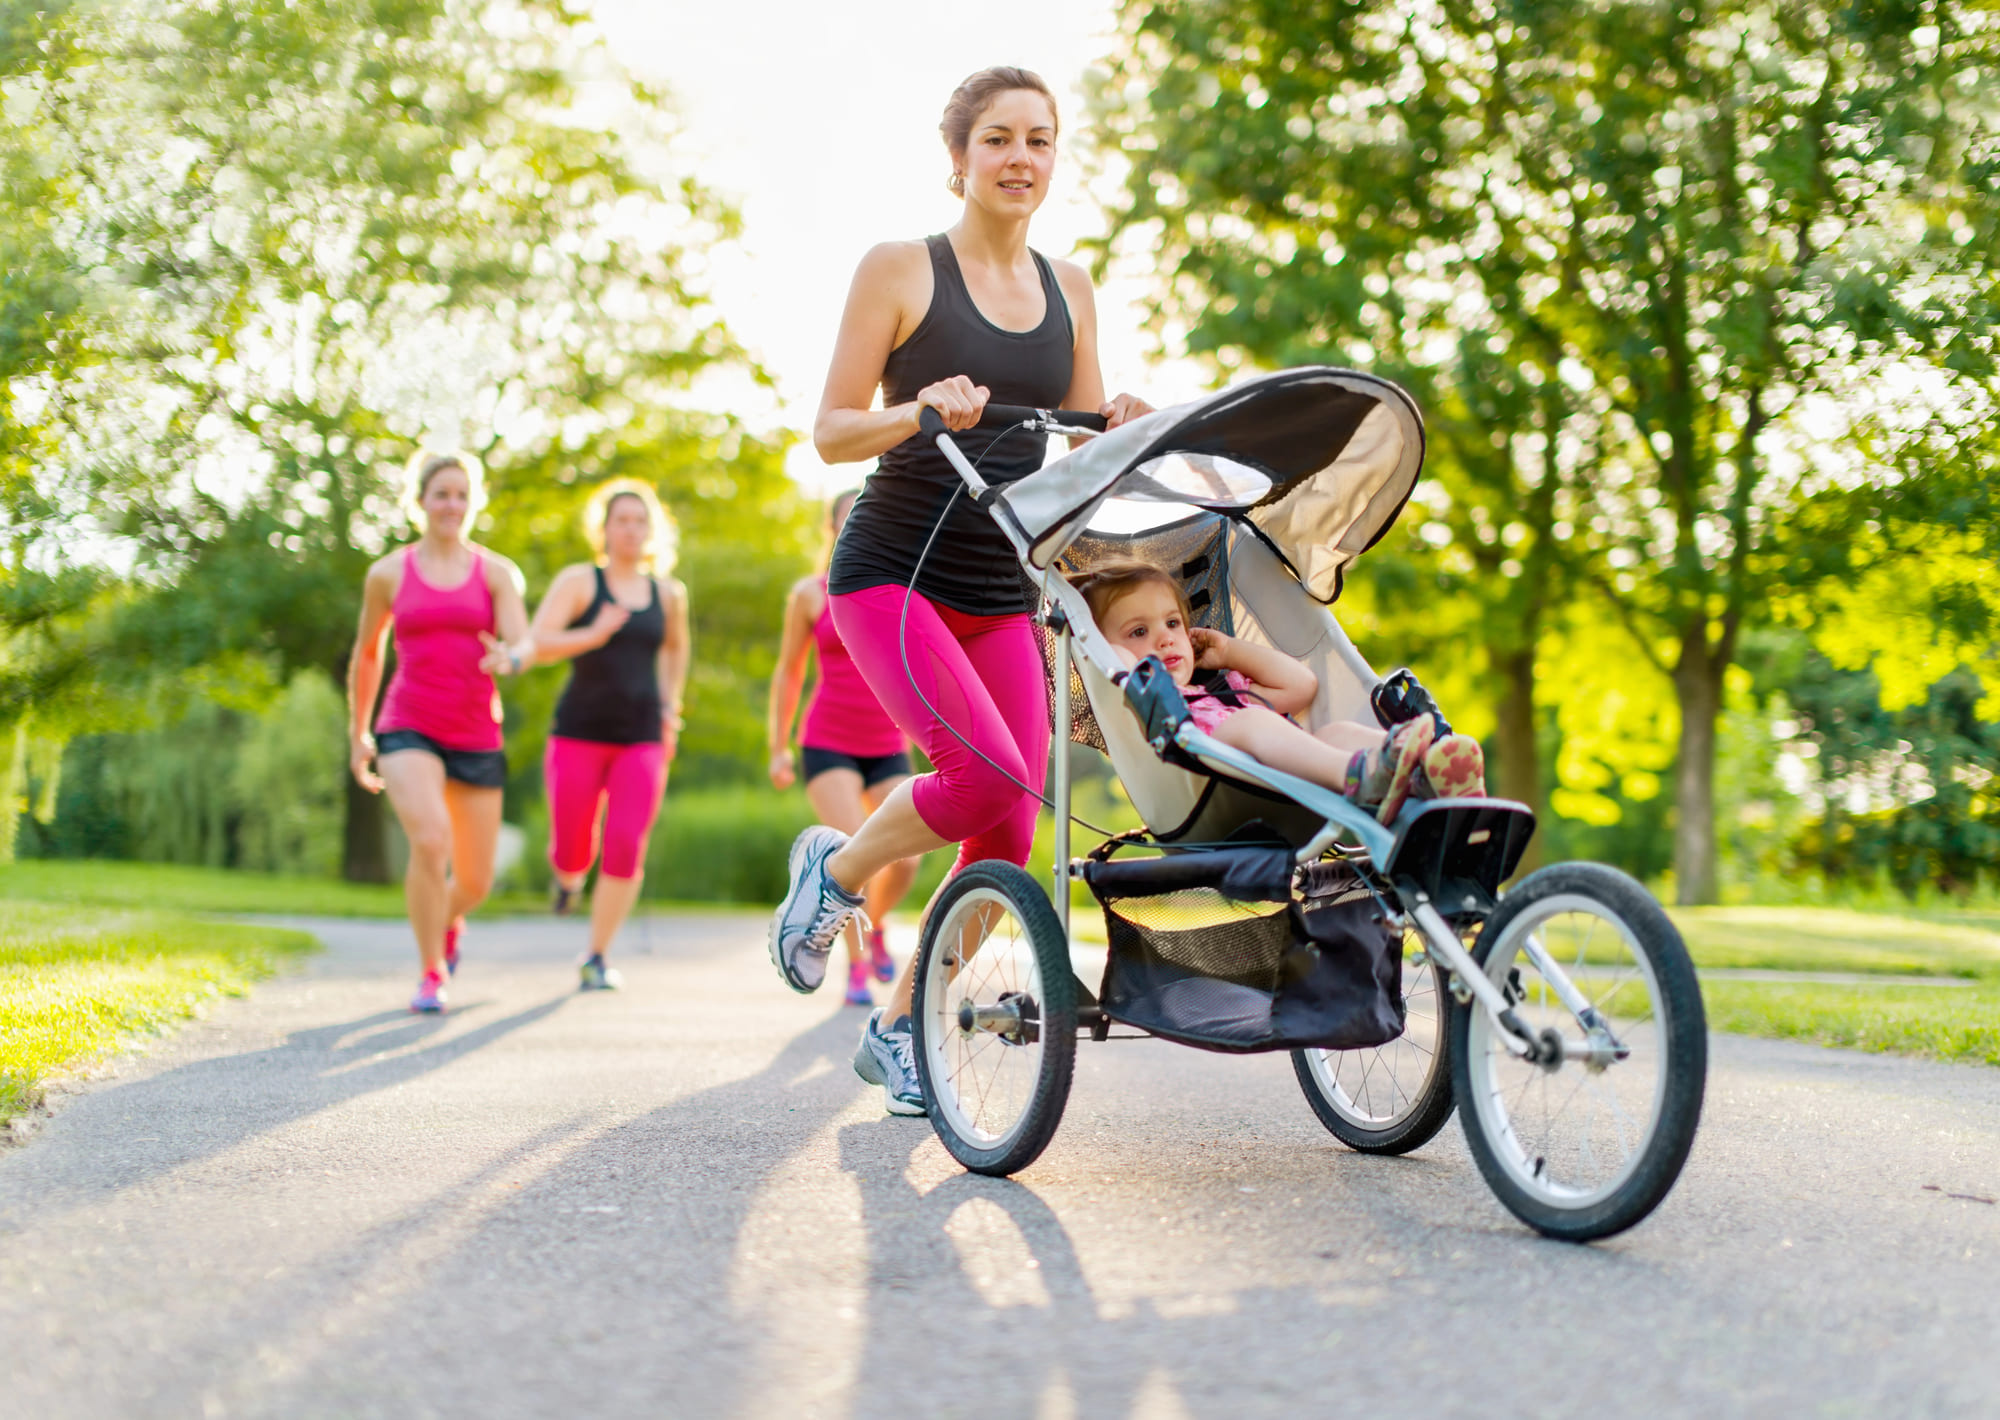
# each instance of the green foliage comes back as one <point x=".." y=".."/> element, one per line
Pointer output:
<point x="1663" y="259"/>
<point x="73" y="984"/>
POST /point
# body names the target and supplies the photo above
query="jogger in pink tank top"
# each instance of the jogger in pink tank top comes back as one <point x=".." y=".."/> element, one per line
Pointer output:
<point x="436" y="746"/>
<point x="854" y="754"/>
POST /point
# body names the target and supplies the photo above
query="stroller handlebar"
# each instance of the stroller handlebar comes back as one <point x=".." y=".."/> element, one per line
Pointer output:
<point x="999" y="416"/>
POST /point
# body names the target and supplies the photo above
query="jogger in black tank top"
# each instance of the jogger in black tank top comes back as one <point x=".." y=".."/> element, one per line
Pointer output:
<point x="952" y="322"/>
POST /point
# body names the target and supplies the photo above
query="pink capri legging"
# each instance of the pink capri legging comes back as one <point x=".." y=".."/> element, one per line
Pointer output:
<point x="624" y="781"/>
<point x="983" y="677"/>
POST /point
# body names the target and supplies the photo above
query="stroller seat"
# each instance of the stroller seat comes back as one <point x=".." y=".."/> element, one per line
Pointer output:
<point x="1235" y="584"/>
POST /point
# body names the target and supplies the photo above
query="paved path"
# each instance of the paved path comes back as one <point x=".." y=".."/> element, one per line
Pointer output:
<point x="677" y="1201"/>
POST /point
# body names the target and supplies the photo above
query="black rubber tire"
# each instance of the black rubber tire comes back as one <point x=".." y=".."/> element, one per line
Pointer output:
<point x="1428" y="1114"/>
<point x="1025" y="898"/>
<point x="1684" y="1054"/>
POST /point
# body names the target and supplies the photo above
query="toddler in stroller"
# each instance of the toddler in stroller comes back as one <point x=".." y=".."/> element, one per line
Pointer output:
<point x="1246" y="694"/>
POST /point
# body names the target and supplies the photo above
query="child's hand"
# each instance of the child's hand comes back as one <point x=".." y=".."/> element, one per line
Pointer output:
<point x="1211" y="648"/>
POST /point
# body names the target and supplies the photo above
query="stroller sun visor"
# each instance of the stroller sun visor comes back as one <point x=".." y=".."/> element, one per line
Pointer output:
<point x="1319" y="460"/>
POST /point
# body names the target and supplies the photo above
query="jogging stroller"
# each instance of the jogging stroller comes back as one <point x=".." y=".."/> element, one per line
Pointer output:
<point x="1256" y="911"/>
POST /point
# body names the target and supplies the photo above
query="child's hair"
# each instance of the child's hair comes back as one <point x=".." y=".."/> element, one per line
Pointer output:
<point x="664" y="544"/>
<point x="1116" y="577"/>
<point x="426" y="464"/>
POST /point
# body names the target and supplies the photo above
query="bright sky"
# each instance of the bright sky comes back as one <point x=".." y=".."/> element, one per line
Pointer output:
<point x="819" y="119"/>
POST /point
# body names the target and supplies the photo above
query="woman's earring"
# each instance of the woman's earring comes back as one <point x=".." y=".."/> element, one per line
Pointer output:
<point x="956" y="184"/>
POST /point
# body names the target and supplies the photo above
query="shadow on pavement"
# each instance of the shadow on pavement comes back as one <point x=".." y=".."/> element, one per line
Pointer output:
<point x="208" y="1107"/>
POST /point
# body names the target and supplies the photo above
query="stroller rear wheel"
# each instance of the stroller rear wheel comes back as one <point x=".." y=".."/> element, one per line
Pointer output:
<point x="995" y="1018"/>
<point x="1388" y="1099"/>
<point x="1585" y="1144"/>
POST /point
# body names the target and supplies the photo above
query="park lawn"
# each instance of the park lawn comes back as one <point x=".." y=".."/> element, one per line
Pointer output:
<point x="75" y="982"/>
<point x="1939" y="1022"/>
<point x="1828" y="939"/>
<point x="173" y="887"/>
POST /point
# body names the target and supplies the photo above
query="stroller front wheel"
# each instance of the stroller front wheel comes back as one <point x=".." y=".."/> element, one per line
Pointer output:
<point x="1586" y="1145"/>
<point x="994" y="1018"/>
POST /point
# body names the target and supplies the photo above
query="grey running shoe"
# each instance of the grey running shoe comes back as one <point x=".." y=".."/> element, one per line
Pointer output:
<point x="599" y="977"/>
<point x="887" y="1057"/>
<point x="813" y="912"/>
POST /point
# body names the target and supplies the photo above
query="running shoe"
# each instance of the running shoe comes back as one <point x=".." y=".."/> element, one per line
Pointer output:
<point x="879" y="959"/>
<point x="599" y="977"/>
<point x="887" y="1057"/>
<point x="563" y="901"/>
<point x="429" y="999"/>
<point x="451" y="945"/>
<point x="857" y="984"/>
<point x="813" y="912"/>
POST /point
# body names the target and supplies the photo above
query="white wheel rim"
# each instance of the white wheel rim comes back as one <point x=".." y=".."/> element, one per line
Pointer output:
<point x="1572" y="1137"/>
<point x="982" y="1085"/>
<point x="1381" y="1086"/>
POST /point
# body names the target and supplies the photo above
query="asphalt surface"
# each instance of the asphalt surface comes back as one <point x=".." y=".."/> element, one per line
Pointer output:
<point x="677" y="1200"/>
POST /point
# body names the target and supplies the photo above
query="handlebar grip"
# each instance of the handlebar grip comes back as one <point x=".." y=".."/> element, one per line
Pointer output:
<point x="1004" y="416"/>
<point x="1001" y="415"/>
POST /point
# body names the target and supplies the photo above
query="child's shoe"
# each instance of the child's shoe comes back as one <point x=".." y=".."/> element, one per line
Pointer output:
<point x="879" y="960"/>
<point x="1456" y="768"/>
<point x="1382" y="779"/>
<point x="857" y="984"/>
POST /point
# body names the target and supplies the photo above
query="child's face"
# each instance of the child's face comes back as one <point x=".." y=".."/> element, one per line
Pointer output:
<point x="1147" y="621"/>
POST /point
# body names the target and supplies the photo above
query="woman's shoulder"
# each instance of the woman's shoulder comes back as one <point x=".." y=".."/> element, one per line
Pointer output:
<point x="673" y="591"/>
<point x="809" y="590"/>
<point x="1074" y="280"/>
<point x="895" y="265"/>
<point x="500" y="569"/>
<point x="387" y="570"/>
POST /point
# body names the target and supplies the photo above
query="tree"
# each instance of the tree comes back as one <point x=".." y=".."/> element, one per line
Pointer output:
<point x="1693" y="230"/>
<point x="330" y="229"/>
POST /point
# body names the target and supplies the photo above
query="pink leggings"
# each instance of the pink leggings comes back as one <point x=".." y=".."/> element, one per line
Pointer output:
<point x="983" y="676"/>
<point x="624" y="781"/>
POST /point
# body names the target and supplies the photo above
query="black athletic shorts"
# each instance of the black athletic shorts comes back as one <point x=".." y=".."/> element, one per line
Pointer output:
<point x="873" y="768"/>
<point x="481" y="768"/>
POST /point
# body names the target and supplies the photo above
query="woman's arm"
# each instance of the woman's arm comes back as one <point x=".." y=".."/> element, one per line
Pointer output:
<point x="548" y="637"/>
<point x="1286" y="684"/>
<point x="1086" y="381"/>
<point x="893" y="280"/>
<point x="512" y="649"/>
<point x="788" y="678"/>
<point x="676" y="650"/>
<point x="364" y="670"/>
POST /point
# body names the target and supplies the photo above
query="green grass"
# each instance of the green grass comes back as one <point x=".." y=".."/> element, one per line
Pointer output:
<point x="74" y="982"/>
<point x="1829" y="939"/>
<point x="173" y="888"/>
<point x="1940" y="1023"/>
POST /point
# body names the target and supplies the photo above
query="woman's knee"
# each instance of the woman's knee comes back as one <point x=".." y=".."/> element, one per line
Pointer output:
<point x="977" y="794"/>
<point x="430" y="845"/>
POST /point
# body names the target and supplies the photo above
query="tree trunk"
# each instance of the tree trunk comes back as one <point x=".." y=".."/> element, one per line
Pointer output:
<point x="1518" y="770"/>
<point x="364" y="848"/>
<point x="1698" y="686"/>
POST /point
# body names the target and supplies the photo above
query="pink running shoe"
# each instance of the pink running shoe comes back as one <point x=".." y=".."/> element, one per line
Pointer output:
<point x="879" y="960"/>
<point x="429" y="999"/>
<point x="451" y="945"/>
<point x="857" y="984"/>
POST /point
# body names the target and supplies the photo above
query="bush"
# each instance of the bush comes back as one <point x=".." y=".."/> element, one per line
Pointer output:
<point x="725" y="844"/>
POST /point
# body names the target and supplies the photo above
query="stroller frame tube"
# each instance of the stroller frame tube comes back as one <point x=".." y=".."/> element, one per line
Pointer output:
<point x="1059" y="773"/>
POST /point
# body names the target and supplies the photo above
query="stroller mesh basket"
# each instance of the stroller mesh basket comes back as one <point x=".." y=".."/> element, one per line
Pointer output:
<point x="1219" y="950"/>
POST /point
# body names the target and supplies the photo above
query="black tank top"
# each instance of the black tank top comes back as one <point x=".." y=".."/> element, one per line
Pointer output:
<point x="971" y="567"/>
<point x="613" y="695"/>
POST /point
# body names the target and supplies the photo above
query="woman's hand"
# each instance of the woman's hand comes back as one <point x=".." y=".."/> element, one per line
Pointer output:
<point x="958" y="399"/>
<point x="783" y="772"/>
<point x="609" y="618"/>
<point x="500" y="658"/>
<point x="1123" y="409"/>
<point x="360" y="761"/>
<point x="1211" y="648"/>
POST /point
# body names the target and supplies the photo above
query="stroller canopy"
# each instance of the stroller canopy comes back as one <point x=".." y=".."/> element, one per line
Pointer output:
<point x="1320" y="461"/>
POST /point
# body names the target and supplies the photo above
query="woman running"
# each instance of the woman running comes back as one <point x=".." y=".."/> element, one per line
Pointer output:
<point x="622" y="622"/>
<point x="951" y="322"/>
<point x="436" y="744"/>
<point x="854" y="754"/>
